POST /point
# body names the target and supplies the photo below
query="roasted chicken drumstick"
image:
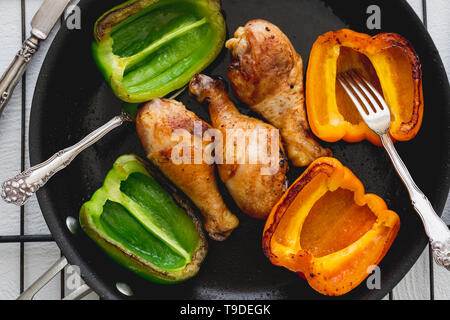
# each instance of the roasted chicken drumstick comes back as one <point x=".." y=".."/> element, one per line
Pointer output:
<point x="253" y="190"/>
<point x="267" y="74"/>
<point x="156" y="123"/>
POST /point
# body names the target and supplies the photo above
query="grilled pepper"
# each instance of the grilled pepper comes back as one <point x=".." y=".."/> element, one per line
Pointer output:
<point x="327" y="229"/>
<point x="142" y="226"/>
<point x="387" y="60"/>
<point x="149" y="48"/>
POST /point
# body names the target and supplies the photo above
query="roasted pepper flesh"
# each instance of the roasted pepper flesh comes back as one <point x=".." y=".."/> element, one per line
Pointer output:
<point x="335" y="213"/>
<point x="391" y="65"/>
<point x="149" y="48"/>
<point x="137" y="222"/>
<point x="328" y="229"/>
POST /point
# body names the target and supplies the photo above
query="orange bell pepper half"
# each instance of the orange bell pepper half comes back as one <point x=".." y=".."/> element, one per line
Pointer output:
<point x="390" y="64"/>
<point x="328" y="229"/>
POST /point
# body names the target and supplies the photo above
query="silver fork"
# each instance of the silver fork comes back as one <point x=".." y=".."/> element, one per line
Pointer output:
<point x="376" y="114"/>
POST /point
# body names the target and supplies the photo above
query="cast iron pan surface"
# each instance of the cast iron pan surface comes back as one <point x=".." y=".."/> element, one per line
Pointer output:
<point x="72" y="99"/>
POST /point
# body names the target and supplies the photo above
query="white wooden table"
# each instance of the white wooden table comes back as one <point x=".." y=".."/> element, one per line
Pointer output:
<point x="21" y="263"/>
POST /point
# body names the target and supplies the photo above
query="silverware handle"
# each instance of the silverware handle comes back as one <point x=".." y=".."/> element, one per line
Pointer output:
<point x="79" y="293"/>
<point x="20" y="188"/>
<point x="56" y="268"/>
<point x="44" y="279"/>
<point x="435" y="228"/>
<point x="13" y="74"/>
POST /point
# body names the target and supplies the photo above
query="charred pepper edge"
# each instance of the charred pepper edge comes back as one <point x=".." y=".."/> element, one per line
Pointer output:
<point x="109" y="19"/>
<point x="398" y="41"/>
<point x="104" y="24"/>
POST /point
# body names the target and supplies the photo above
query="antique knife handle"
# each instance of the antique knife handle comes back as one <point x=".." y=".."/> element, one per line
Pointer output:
<point x="20" y="188"/>
<point x="12" y="76"/>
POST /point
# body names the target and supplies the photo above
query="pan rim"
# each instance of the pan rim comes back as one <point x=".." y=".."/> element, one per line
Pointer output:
<point x="61" y="235"/>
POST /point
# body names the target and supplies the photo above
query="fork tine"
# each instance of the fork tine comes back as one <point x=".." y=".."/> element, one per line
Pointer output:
<point x="355" y="76"/>
<point x="343" y="81"/>
<point x="359" y="91"/>
<point x="374" y="92"/>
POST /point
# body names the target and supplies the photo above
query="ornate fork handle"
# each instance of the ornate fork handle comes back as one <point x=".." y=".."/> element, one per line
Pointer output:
<point x="435" y="228"/>
<point x="20" y="188"/>
<point x="12" y="76"/>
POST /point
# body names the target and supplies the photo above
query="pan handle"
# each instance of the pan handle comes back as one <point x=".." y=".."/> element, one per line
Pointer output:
<point x="44" y="279"/>
<point x="78" y="294"/>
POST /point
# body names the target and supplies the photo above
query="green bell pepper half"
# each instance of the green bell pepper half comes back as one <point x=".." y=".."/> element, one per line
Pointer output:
<point x="149" y="48"/>
<point x="142" y="226"/>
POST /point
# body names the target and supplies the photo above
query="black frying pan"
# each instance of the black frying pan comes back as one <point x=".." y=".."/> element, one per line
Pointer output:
<point x="72" y="99"/>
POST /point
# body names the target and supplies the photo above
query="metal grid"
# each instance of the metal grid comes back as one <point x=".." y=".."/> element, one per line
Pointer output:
<point x="22" y="239"/>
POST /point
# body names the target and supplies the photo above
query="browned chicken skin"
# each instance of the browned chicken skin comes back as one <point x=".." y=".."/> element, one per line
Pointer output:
<point x="254" y="192"/>
<point x="156" y="123"/>
<point x="267" y="74"/>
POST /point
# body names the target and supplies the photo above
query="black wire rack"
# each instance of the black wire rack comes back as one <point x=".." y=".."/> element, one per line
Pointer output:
<point x="22" y="239"/>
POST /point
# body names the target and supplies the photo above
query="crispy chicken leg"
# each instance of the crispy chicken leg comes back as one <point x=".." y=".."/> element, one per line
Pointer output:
<point x="267" y="74"/>
<point x="253" y="190"/>
<point x="156" y="123"/>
